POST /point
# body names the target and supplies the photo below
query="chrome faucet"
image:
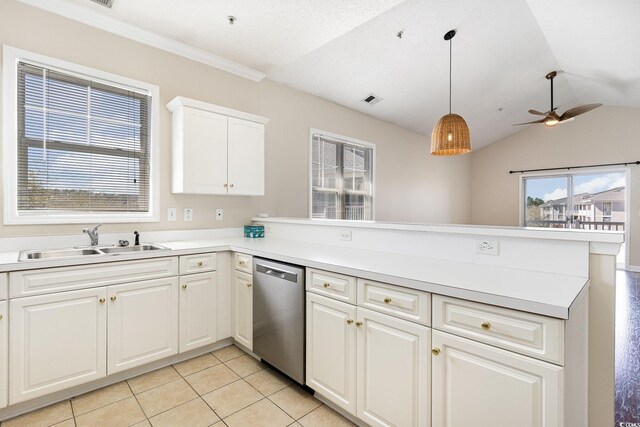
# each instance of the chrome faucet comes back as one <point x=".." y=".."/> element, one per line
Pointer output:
<point x="93" y="234"/>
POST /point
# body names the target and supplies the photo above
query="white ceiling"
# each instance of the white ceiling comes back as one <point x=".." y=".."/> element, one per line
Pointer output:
<point x="344" y="50"/>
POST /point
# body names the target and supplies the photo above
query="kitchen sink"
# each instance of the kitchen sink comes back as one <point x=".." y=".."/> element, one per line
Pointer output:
<point x="129" y="249"/>
<point x="89" y="251"/>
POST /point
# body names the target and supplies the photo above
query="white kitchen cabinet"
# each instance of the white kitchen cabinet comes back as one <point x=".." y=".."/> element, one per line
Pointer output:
<point x="56" y="341"/>
<point x="243" y="312"/>
<point x="478" y="385"/>
<point x="331" y="350"/>
<point x="216" y="150"/>
<point x="143" y="323"/>
<point x="198" y="299"/>
<point x="393" y="371"/>
<point x="4" y="353"/>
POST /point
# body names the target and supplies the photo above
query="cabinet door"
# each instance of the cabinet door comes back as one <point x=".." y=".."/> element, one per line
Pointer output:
<point x="56" y="341"/>
<point x="246" y="157"/>
<point x="200" y="152"/>
<point x="198" y="301"/>
<point x="478" y="385"/>
<point x="331" y="350"/>
<point x="4" y="354"/>
<point x="393" y="371"/>
<point x="143" y="323"/>
<point x="243" y="313"/>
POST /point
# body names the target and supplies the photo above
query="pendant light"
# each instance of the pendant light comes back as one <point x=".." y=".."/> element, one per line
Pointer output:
<point x="450" y="135"/>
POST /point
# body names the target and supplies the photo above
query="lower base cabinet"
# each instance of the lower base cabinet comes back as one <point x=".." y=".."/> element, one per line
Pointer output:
<point x="243" y="313"/>
<point x="143" y="323"/>
<point x="372" y="365"/>
<point x="57" y="341"/>
<point x="478" y="385"/>
<point x="4" y="353"/>
<point x="198" y="316"/>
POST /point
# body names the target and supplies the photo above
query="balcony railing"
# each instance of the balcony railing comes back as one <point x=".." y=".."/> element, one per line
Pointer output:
<point x="581" y="225"/>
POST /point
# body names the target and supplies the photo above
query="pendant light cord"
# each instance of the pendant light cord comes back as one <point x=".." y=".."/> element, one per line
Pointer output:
<point x="450" y="49"/>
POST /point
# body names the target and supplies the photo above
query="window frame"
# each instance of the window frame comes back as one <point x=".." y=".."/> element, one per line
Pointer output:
<point x="347" y="140"/>
<point x="11" y="215"/>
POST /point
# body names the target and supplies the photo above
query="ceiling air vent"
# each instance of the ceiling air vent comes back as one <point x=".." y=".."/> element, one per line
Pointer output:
<point x="105" y="3"/>
<point x="372" y="99"/>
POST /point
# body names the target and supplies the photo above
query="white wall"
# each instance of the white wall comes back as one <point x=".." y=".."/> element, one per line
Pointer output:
<point x="605" y="135"/>
<point x="411" y="185"/>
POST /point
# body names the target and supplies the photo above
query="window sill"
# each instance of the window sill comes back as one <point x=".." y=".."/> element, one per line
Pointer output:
<point x="44" y="217"/>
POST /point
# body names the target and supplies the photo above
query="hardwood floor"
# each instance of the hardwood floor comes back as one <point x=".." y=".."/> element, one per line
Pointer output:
<point x="627" y="388"/>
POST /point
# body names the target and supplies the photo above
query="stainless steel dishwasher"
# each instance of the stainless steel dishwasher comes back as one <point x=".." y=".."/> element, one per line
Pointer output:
<point x="278" y="316"/>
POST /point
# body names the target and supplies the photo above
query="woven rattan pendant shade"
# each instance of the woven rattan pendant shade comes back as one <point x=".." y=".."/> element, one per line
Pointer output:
<point x="450" y="136"/>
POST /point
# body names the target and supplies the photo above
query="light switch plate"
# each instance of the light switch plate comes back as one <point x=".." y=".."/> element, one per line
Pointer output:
<point x="188" y="214"/>
<point x="172" y="214"/>
<point x="487" y="247"/>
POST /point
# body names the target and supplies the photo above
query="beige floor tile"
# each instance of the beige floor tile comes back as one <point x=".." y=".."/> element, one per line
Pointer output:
<point x="295" y="401"/>
<point x="296" y="424"/>
<point x="194" y="413"/>
<point x="219" y="424"/>
<point x="196" y="364"/>
<point x="267" y="381"/>
<point x="261" y="414"/>
<point x="245" y="365"/>
<point x="211" y="379"/>
<point x="123" y="413"/>
<point x="231" y="398"/>
<point x="165" y="397"/>
<point x="96" y="399"/>
<point x="43" y="417"/>
<point x="144" y="423"/>
<point x="153" y="379"/>
<point x="68" y="423"/>
<point x="324" y="417"/>
<point x="228" y="353"/>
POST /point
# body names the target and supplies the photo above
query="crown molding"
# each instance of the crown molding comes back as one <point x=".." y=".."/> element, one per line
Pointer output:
<point x="114" y="26"/>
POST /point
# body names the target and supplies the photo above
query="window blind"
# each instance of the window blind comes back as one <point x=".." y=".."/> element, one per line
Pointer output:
<point x="83" y="145"/>
<point x="342" y="179"/>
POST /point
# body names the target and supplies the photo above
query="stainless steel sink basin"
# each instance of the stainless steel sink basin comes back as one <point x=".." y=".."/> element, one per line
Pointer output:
<point x="129" y="249"/>
<point x="57" y="253"/>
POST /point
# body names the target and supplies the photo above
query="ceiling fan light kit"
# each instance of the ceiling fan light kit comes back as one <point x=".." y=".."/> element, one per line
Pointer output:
<point x="450" y="135"/>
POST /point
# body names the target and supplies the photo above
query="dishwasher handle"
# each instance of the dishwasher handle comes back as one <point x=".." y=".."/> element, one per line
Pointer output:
<point x="281" y="274"/>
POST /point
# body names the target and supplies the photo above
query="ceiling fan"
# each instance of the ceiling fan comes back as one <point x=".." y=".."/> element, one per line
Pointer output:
<point x="551" y="117"/>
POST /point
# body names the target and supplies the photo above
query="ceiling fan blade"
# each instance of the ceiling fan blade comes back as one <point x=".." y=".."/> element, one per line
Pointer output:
<point x="576" y="111"/>
<point x="538" y="113"/>
<point x="528" y="123"/>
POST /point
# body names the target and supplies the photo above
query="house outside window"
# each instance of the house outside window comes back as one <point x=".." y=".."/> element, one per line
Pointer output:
<point x="342" y="184"/>
<point x="80" y="144"/>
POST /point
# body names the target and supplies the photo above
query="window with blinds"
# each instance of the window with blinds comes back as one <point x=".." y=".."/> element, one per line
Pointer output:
<point x="83" y="145"/>
<point x="342" y="179"/>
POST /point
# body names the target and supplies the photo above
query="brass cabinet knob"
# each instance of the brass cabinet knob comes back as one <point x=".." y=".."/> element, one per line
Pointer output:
<point x="231" y="185"/>
<point x="486" y="326"/>
<point x="326" y="284"/>
<point x="102" y="300"/>
<point x="249" y="285"/>
<point x="358" y="324"/>
<point x="1" y="316"/>
<point x="435" y="351"/>
<point x="349" y="321"/>
<point x="184" y="286"/>
<point x="387" y="300"/>
<point x="226" y="185"/>
<point x="199" y="263"/>
<point x="242" y="263"/>
<point x="113" y="298"/>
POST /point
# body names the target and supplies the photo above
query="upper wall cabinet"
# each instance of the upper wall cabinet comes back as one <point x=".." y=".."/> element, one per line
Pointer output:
<point x="216" y="150"/>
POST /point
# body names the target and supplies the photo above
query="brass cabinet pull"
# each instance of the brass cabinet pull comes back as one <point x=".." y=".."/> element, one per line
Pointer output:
<point x="358" y="324"/>
<point x="486" y="326"/>
<point x="349" y="321"/>
<point x="199" y="263"/>
<point x="226" y="185"/>
<point x="249" y="285"/>
<point x="435" y="351"/>
<point x="184" y="286"/>
<point x="231" y="185"/>
<point x="326" y="284"/>
<point x="387" y="300"/>
<point x="102" y="300"/>
<point x="242" y="263"/>
<point x="1" y="316"/>
<point x="113" y="298"/>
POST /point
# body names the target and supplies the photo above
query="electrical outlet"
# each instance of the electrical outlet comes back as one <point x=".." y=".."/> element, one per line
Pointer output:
<point x="188" y="214"/>
<point x="345" y="235"/>
<point x="172" y="214"/>
<point x="219" y="214"/>
<point x="487" y="247"/>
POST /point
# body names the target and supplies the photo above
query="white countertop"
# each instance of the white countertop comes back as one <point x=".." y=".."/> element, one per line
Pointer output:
<point x="536" y="292"/>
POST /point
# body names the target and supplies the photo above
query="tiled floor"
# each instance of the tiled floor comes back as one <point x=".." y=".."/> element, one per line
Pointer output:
<point x="223" y="388"/>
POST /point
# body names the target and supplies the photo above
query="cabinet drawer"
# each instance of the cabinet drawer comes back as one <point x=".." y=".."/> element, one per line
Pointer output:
<point x="3" y="286"/>
<point x="525" y="333"/>
<point x="333" y="285"/>
<point x="198" y="263"/>
<point x="36" y="282"/>
<point x="396" y="301"/>
<point x="243" y="262"/>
